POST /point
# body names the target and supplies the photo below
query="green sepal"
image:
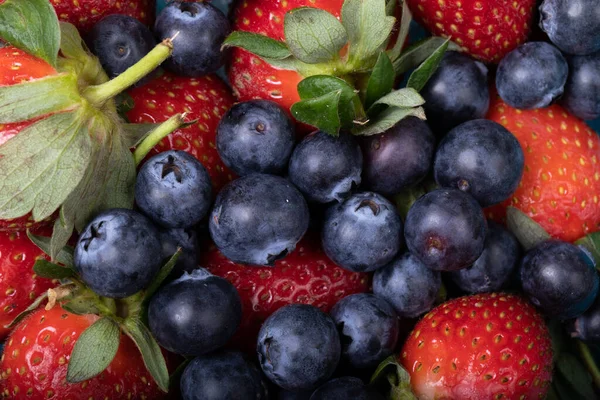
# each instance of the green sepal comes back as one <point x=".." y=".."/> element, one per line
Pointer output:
<point x="387" y="119"/>
<point x="260" y="45"/>
<point x="64" y="255"/>
<point x="418" y="53"/>
<point x="401" y="98"/>
<point x="82" y="305"/>
<point x="381" y="80"/>
<point x="163" y="274"/>
<point x="321" y="112"/>
<point x="32" y="307"/>
<point x="528" y="232"/>
<point x="94" y="350"/>
<point x="405" y="199"/>
<point x="61" y="233"/>
<point x="47" y="269"/>
<point x="392" y="377"/>
<point x="405" y="21"/>
<point x="134" y="134"/>
<point x="418" y="79"/>
<point x="32" y="26"/>
<point x="77" y="58"/>
<point x="591" y="243"/>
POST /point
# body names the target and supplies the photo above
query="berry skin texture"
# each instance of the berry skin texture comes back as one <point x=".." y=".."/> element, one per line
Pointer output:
<point x="560" y="279"/>
<point x="561" y="180"/>
<point x="582" y="91"/>
<point x="482" y="158"/>
<point x="480" y="347"/>
<point x="532" y="76"/>
<point x="118" y="253"/>
<point x="408" y="285"/>
<point x="573" y="26"/>
<point x="220" y="376"/>
<point x="256" y="136"/>
<point x="363" y="233"/>
<point x="368" y="328"/>
<point x="200" y="28"/>
<point x="346" y="387"/>
<point x="445" y="229"/>
<point x="398" y="158"/>
<point x="298" y="347"/>
<point x="37" y="356"/>
<point x="195" y="314"/>
<point x="258" y="219"/>
<point x="456" y="93"/>
<point x="173" y="189"/>
<point x="487" y="29"/>
<point x="206" y="99"/>
<point x="587" y="326"/>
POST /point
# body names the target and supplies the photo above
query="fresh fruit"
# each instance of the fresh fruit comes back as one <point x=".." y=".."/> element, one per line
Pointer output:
<point x="326" y="168"/>
<point x="258" y="219"/>
<point x="173" y="189"/>
<point x="560" y="279"/>
<point x="399" y="157"/>
<point x="573" y="26"/>
<point x="363" y="233"/>
<point x="488" y="30"/>
<point x="482" y="158"/>
<point x="298" y="347"/>
<point x="487" y="346"/>
<point x="368" y="328"/>
<point x="583" y="85"/>
<point x="119" y="41"/>
<point x="493" y="269"/>
<point x="445" y="229"/>
<point x="187" y="239"/>
<point x="118" y="253"/>
<point x="201" y="29"/>
<point x="221" y="376"/>
<point x="532" y="76"/>
<point x="587" y="326"/>
<point x="206" y="99"/>
<point x="195" y="314"/>
<point x="561" y="180"/>
<point x="346" y="387"/>
<point x="256" y="136"/>
<point x="36" y="357"/>
<point x="408" y="285"/>
<point x="304" y="276"/>
<point x="456" y="93"/>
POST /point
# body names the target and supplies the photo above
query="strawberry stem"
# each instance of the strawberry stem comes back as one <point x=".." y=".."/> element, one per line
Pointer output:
<point x="589" y="362"/>
<point x="172" y="124"/>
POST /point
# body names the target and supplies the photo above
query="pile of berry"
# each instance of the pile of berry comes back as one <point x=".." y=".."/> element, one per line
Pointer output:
<point x="296" y="199"/>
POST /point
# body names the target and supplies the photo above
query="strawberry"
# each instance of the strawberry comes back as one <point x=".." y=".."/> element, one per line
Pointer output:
<point x="487" y="29"/>
<point x="482" y="347"/>
<point x="560" y="187"/>
<point x="305" y="276"/>
<point x="205" y="99"/>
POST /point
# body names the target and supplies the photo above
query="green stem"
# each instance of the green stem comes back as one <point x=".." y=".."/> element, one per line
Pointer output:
<point x="99" y="94"/>
<point x="172" y="124"/>
<point x="589" y="362"/>
<point x="107" y="306"/>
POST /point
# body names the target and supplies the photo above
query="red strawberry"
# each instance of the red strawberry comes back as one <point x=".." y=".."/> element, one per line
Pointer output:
<point x="482" y="347"/>
<point x="487" y="29"/>
<point x="560" y="187"/>
<point x="205" y="99"/>
<point x="305" y="276"/>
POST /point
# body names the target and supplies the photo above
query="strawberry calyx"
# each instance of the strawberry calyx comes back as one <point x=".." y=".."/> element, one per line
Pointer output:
<point x="392" y="378"/>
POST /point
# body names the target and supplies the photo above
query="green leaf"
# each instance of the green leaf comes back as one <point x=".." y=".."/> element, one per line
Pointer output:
<point x="421" y="75"/>
<point x="387" y="119"/>
<point x="43" y="164"/>
<point x="321" y="112"/>
<point x="31" y="25"/>
<point x="381" y="81"/>
<point x="260" y="45"/>
<point x="528" y="232"/>
<point x="164" y="272"/>
<point x="419" y="52"/>
<point x="591" y="243"/>
<point x="64" y="256"/>
<point x="405" y="21"/>
<point x="313" y="35"/>
<point x="402" y="98"/>
<point x="396" y="380"/>
<point x="39" y="97"/>
<point x="49" y="270"/>
<point x="153" y="358"/>
<point x="94" y="350"/>
<point x="61" y="233"/>
<point x="576" y="375"/>
<point x="32" y="307"/>
<point x="368" y="27"/>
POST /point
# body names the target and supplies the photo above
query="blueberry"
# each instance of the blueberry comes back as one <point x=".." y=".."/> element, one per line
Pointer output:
<point x="258" y="219"/>
<point x="408" y="285"/>
<point x="445" y="229"/>
<point x="187" y="239"/>
<point x="495" y="265"/>
<point x="363" y="233"/>
<point x="118" y="253"/>
<point x="173" y="189"/>
<point x="582" y="91"/>
<point x="195" y="314"/>
<point x="225" y="375"/>
<point x="368" y="328"/>
<point x="587" y="326"/>
<point x="120" y="41"/>
<point x="256" y="136"/>
<point x="482" y="158"/>
<point x="559" y="278"/>
<point x="457" y="92"/>
<point x="345" y="387"/>
<point x="398" y="158"/>
<point x="326" y="168"/>
<point x="573" y="26"/>
<point x="532" y="76"/>
<point x="298" y="347"/>
<point x="294" y="395"/>
<point x="201" y="29"/>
